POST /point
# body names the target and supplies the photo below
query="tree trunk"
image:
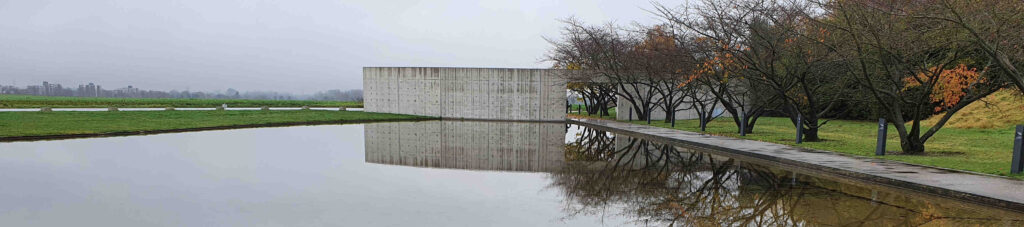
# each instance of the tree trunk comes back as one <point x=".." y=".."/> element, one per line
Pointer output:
<point x="912" y="144"/>
<point x="811" y="135"/>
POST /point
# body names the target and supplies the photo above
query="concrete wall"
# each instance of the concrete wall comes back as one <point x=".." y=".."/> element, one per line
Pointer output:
<point x="465" y="93"/>
<point x="476" y="145"/>
<point x="623" y="107"/>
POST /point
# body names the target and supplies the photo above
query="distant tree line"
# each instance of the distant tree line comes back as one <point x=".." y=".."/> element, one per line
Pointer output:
<point x="92" y="90"/>
<point x="810" y="61"/>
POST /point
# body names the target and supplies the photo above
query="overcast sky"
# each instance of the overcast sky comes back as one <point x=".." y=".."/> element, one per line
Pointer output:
<point x="297" y="46"/>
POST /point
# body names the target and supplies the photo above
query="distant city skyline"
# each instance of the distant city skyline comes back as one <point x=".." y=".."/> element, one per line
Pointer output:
<point x="96" y="90"/>
<point x="289" y="46"/>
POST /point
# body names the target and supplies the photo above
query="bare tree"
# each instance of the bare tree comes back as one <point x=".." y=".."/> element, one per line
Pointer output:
<point x="995" y="27"/>
<point x="901" y="60"/>
<point x="721" y="31"/>
<point x="606" y="54"/>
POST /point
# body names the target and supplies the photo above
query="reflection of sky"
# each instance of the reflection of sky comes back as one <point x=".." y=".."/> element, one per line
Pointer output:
<point x="575" y="130"/>
<point x="295" y="176"/>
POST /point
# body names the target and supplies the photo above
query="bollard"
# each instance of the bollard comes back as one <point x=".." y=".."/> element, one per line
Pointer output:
<point x="1018" y="151"/>
<point x="112" y="109"/>
<point x="568" y="108"/>
<point x="648" y="115"/>
<point x="224" y="105"/>
<point x="220" y="108"/>
<point x="799" y="128"/>
<point x="169" y="109"/>
<point x="673" y="120"/>
<point x="579" y="110"/>
<point x="743" y="124"/>
<point x="630" y="114"/>
<point x="701" y="119"/>
<point x="882" y="130"/>
<point x="46" y="109"/>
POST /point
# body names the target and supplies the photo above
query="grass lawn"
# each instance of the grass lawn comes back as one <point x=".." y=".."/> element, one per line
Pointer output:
<point x="29" y="101"/>
<point x="978" y="150"/>
<point x="14" y="124"/>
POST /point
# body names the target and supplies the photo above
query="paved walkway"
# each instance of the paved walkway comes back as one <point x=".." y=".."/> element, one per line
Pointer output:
<point x="989" y="190"/>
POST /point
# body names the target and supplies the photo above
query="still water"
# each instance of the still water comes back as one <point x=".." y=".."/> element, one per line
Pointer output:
<point x="432" y="173"/>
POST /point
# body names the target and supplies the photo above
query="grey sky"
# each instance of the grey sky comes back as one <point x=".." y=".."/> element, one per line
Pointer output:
<point x="298" y="46"/>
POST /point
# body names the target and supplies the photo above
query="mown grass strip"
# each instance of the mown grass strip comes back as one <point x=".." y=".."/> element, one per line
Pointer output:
<point x="41" y="125"/>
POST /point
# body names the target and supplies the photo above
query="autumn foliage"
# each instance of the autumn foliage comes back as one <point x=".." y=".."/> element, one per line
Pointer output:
<point x="949" y="86"/>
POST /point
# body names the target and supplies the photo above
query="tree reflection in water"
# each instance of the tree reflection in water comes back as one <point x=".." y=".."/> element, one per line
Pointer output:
<point x="657" y="184"/>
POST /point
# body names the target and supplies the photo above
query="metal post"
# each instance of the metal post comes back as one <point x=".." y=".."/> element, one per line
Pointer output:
<point x="568" y="107"/>
<point x="701" y="117"/>
<point x="579" y="110"/>
<point x="799" y="128"/>
<point x="673" y="119"/>
<point x="743" y="124"/>
<point x="631" y="114"/>
<point x="648" y="115"/>
<point x="882" y="131"/>
<point x="1018" y="151"/>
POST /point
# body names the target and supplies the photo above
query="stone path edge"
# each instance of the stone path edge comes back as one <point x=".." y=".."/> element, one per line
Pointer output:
<point x="864" y="177"/>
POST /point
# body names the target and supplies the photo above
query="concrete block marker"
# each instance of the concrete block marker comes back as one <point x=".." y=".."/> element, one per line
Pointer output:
<point x="649" y="115"/>
<point x="882" y="131"/>
<point x="342" y="109"/>
<point x="264" y="108"/>
<point x="743" y="123"/>
<point x="305" y="107"/>
<point x="673" y="120"/>
<point x="169" y="108"/>
<point x="112" y="109"/>
<point x="220" y="108"/>
<point x="799" y="128"/>
<point x="700" y="119"/>
<point x="46" y="109"/>
<point x="1017" y="164"/>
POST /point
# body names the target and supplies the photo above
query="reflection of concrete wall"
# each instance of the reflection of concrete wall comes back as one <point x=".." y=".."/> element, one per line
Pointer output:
<point x="470" y="93"/>
<point x="478" y="145"/>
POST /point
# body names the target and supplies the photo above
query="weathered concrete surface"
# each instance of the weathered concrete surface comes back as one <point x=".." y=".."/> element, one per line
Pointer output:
<point x="474" y="145"/>
<point x="976" y="188"/>
<point x="465" y="93"/>
<point x="624" y="107"/>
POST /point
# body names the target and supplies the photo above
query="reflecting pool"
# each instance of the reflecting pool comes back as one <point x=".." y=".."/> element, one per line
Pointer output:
<point x="431" y="173"/>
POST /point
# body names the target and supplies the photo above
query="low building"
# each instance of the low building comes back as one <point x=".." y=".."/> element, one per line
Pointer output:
<point x="466" y="93"/>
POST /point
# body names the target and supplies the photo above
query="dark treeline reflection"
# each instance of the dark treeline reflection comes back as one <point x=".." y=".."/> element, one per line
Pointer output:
<point x="657" y="184"/>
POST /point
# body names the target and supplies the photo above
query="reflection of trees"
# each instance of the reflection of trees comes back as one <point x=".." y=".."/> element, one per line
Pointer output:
<point x="655" y="184"/>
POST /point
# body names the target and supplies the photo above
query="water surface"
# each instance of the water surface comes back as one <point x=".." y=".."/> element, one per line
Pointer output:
<point x="430" y="173"/>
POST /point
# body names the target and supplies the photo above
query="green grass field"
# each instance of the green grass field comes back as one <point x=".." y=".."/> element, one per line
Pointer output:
<point x="28" y="101"/>
<point x="13" y="124"/>
<point x="977" y="150"/>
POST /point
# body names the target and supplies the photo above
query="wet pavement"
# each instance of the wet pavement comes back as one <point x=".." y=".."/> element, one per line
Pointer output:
<point x="977" y="188"/>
